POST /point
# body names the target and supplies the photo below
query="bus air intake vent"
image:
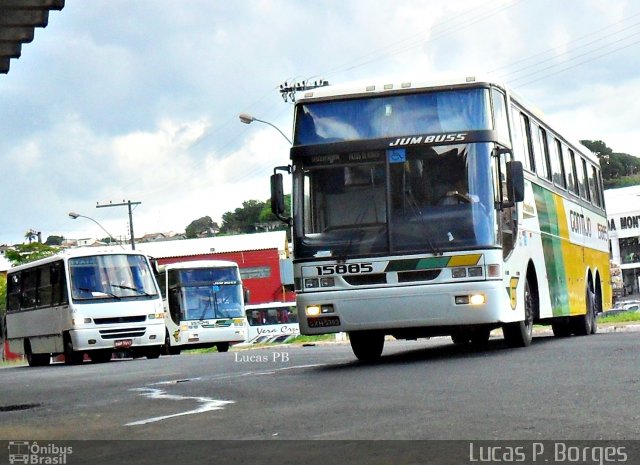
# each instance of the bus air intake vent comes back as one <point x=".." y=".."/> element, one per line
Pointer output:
<point x="120" y="319"/>
<point x="366" y="279"/>
<point x="122" y="333"/>
<point x="420" y="275"/>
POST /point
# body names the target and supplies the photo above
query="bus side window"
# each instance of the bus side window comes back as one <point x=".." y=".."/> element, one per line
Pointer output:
<point x="14" y="284"/>
<point x="588" y="183"/>
<point x="570" y="164"/>
<point x="174" y="305"/>
<point x="581" y="177"/>
<point x="557" y="162"/>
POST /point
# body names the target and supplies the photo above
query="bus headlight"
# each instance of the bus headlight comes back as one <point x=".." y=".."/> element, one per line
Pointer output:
<point x="315" y="310"/>
<point x="473" y="299"/>
<point x="81" y="321"/>
<point x="156" y="316"/>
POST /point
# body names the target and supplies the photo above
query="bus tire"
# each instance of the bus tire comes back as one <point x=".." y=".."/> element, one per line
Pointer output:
<point x="480" y="336"/>
<point x="367" y="345"/>
<point x="520" y="333"/>
<point x="167" y="348"/>
<point x="222" y="346"/>
<point x="583" y="325"/>
<point x="35" y="360"/>
<point x="71" y="357"/>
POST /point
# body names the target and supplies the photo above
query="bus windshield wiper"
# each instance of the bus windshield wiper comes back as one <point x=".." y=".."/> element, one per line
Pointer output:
<point x="130" y="288"/>
<point x="92" y="291"/>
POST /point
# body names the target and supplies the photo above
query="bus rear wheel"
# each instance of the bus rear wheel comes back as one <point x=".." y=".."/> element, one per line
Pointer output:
<point x="367" y="345"/>
<point x="222" y="346"/>
<point x="35" y="360"/>
<point x="520" y="333"/>
<point x="583" y="325"/>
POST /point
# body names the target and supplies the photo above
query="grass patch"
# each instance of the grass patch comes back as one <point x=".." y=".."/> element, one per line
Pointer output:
<point x="306" y="339"/>
<point x="619" y="318"/>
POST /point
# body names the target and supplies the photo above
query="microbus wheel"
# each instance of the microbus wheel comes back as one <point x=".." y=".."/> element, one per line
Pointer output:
<point x="35" y="360"/>
<point x="222" y="346"/>
<point x="71" y="357"/>
<point x="167" y="349"/>
<point x="461" y="337"/>
<point x="367" y="345"/>
<point x="520" y="334"/>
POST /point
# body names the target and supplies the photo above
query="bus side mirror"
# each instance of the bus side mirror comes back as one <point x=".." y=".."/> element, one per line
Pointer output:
<point x="247" y="294"/>
<point x="515" y="182"/>
<point x="277" y="198"/>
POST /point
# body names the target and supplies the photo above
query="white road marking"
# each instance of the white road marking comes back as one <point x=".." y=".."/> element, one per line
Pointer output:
<point x="208" y="405"/>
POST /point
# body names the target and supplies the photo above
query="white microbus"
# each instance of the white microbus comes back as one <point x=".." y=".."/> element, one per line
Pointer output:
<point x="272" y="322"/>
<point x="82" y="301"/>
<point x="452" y="208"/>
<point x="204" y="304"/>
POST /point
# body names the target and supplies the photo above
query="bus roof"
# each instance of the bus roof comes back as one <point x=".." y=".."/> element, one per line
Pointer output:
<point x="198" y="264"/>
<point x="362" y="89"/>
<point x="74" y="253"/>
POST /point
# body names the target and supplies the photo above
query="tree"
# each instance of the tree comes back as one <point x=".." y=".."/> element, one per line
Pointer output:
<point x="266" y="215"/>
<point x="31" y="235"/>
<point x="54" y="240"/>
<point x="201" y="226"/>
<point x="614" y="166"/>
<point x="243" y="219"/>
<point x="25" y="253"/>
<point x="3" y="295"/>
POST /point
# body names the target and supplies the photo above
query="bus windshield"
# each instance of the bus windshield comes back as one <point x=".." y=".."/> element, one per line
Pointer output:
<point x="396" y="201"/>
<point x="395" y="115"/>
<point x="206" y="293"/>
<point x="111" y="277"/>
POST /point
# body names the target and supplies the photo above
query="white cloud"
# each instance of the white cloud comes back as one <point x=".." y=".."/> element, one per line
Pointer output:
<point x="139" y="100"/>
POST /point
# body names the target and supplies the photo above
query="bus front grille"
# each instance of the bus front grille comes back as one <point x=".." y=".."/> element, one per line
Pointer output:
<point x="120" y="319"/>
<point x="122" y="333"/>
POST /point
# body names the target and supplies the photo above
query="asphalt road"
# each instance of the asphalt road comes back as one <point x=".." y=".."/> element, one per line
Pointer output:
<point x="574" y="388"/>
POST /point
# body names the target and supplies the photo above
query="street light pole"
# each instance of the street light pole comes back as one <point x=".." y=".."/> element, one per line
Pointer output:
<point x="75" y="215"/>
<point x="248" y="119"/>
<point x="128" y="203"/>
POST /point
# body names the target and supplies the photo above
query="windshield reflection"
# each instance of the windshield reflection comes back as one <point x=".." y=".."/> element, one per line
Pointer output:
<point x="398" y="201"/>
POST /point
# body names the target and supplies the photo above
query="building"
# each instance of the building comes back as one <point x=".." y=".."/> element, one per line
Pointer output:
<point x="262" y="258"/>
<point x="623" y="216"/>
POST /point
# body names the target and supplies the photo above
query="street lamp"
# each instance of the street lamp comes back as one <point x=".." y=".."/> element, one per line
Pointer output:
<point x="74" y="215"/>
<point x="248" y="119"/>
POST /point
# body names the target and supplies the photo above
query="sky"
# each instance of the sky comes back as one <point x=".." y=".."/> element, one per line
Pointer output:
<point x="139" y="101"/>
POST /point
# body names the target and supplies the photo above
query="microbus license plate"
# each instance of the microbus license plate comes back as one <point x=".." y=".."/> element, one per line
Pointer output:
<point x="123" y="343"/>
<point x="323" y="321"/>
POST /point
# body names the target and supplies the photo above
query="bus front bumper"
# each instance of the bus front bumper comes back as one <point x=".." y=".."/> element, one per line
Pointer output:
<point x="389" y="308"/>
<point x="117" y="337"/>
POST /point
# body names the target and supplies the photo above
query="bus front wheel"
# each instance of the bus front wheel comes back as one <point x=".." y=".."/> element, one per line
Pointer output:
<point x="520" y="333"/>
<point x="222" y="346"/>
<point x="71" y="357"/>
<point x="367" y="345"/>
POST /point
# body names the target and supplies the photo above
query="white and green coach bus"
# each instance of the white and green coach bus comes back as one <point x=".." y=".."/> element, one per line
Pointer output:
<point x="84" y="302"/>
<point x="442" y="209"/>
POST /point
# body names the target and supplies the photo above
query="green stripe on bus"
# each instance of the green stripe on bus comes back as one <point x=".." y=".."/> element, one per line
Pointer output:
<point x="552" y="235"/>
<point x="414" y="264"/>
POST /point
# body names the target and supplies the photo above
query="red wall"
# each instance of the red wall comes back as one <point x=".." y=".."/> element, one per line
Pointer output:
<point x="263" y="290"/>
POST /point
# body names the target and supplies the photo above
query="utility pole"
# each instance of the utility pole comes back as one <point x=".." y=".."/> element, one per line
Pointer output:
<point x="127" y="203"/>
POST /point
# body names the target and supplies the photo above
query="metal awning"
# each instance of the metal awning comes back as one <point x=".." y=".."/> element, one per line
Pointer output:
<point x="18" y="20"/>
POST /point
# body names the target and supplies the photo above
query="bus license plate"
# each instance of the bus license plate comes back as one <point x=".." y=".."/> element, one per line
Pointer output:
<point x="123" y="343"/>
<point x="323" y="321"/>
